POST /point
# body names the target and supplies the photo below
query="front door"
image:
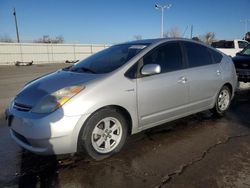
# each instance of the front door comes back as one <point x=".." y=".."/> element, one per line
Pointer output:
<point x="163" y="96"/>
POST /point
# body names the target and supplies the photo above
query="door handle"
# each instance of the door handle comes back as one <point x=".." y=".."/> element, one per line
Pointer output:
<point x="182" y="80"/>
<point x="218" y="72"/>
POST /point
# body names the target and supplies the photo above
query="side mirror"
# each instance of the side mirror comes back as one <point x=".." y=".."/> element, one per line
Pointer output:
<point x="238" y="53"/>
<point x="150" y="69"/>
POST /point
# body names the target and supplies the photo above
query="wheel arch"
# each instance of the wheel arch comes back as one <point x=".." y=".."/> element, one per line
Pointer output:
<point x="123" y="112"/>
<point x="120" y="110"/>
<point x="230" y="88"/>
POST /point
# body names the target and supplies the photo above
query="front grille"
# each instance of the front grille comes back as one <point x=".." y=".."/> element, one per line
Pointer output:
<point x="22" y="107"/>
<point x="243" y="75"/>
<point x="20" y="137"/>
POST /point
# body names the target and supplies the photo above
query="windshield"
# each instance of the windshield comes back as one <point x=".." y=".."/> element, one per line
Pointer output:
<point x="109" y="59"/>
<point x="246" y="51"/>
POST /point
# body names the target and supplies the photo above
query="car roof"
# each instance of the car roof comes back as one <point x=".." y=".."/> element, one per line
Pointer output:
<point x="145" y="41"/>
<point x="149" y="42"/>
<point x="156" y="40"/>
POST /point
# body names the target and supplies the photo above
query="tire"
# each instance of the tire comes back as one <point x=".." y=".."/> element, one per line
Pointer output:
<point x="103" y="134"/>
<point x="223" y="101"/>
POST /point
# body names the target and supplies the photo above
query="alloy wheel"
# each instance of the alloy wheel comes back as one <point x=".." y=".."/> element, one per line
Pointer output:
<point x="106" y="135"/>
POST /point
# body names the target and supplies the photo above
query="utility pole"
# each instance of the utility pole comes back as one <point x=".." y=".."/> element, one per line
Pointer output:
<point x="162" y="7"/>
<point x="245" y="21"/>
<point x="191" y="34"/>
<point x="17" y="33"/>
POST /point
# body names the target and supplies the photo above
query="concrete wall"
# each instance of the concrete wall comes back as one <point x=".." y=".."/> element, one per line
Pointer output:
<point x="46" y="53"/>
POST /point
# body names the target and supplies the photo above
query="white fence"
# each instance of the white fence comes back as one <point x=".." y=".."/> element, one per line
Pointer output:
<point x="46" y="53"/>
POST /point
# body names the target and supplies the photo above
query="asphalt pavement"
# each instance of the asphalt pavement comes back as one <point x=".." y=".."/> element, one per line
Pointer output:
<point x="196" y="151"/>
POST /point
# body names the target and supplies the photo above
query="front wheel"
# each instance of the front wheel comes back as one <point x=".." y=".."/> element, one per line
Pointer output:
<point x="222" y="102"/>
<point x="103" y="134"/>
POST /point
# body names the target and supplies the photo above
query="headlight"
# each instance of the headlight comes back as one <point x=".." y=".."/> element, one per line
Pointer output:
<point x="55" y="100"/>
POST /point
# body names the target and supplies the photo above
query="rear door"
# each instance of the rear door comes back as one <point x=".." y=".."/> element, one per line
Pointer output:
<point x="203" y="75"/>
<point x="162" y="96"/>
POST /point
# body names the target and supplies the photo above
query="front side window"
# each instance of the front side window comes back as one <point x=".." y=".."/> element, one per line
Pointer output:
<point x="246" y="51"/>
<point x="198" y="55"/>
<point x="242" y="44"/>
<point x="109" y="59"/>
<point x="169" y="57"/>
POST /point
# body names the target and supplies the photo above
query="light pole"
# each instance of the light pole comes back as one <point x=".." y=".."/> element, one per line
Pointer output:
<point x="162" y="7"/>
<point x="245" y="21"/>
<point x="17" y="33"/>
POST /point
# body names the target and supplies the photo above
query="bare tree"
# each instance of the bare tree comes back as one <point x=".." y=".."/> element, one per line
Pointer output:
<point x="165" y="34"/>
<point x="196" y="39"/>
<point x="58" y="39"/>
<point x="173" y="32"/>
<point x="137" y="37"/>
<point x="6" y="38"/>
<point x="208" y="38"/>
<point x="247" y="36"/>
<point x="48" y="39"/>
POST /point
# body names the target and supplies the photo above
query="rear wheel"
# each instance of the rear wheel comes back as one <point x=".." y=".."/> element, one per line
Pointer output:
<point x="103" y="134"/>
<point x="222" y="102"/>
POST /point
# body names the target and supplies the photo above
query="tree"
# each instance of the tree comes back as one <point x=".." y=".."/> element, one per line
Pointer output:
<point x="58" y="39"/>
<point x="48" y="39"/>
<point x="6" y="38"/>
<point x="137" y="37"/>
<point x="196" y="39"/>
<point x="173" y="32"/>
<point x="247" y="36"/>
<point x="208" y="38"/>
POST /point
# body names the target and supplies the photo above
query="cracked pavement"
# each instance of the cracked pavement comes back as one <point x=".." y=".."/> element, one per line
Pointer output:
<point x="196" y="151"/>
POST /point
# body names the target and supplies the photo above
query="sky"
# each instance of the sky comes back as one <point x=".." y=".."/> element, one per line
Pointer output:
<point x="114" y="21"/>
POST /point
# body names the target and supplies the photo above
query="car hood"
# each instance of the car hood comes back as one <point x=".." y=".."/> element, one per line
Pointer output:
<point x="241" y="61"/>
<point x="35" y="90"/>
<point x="241" y="58"/>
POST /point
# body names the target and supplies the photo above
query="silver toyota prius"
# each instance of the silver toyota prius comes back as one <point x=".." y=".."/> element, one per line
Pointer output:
<point x="94" y="105"/>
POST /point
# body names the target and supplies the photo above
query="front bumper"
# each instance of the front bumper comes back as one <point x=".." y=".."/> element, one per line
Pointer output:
<point x="51" y="134"/>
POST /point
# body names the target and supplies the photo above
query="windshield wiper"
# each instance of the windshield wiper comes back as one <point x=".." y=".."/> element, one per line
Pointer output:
<point x="82" y="69"/>
<point x="67" y="68"/>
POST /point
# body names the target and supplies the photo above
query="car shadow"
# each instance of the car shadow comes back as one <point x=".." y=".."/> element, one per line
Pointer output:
<point x="38" y="170"/>
<point x="43" y="171"/>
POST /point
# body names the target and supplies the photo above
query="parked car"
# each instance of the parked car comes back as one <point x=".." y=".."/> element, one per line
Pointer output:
<point x="242" y="64"/>
<point x="95" y="104"/>
<point x="230" y="47"/>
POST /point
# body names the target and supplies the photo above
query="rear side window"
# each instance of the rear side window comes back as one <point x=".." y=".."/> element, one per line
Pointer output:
<point x="197" y="54"/>
<point x="223" y="44"/>
<point x="168" y="56"/>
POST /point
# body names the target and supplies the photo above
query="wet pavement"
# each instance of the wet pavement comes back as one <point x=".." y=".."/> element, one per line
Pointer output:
<point x="196" y="151"/>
